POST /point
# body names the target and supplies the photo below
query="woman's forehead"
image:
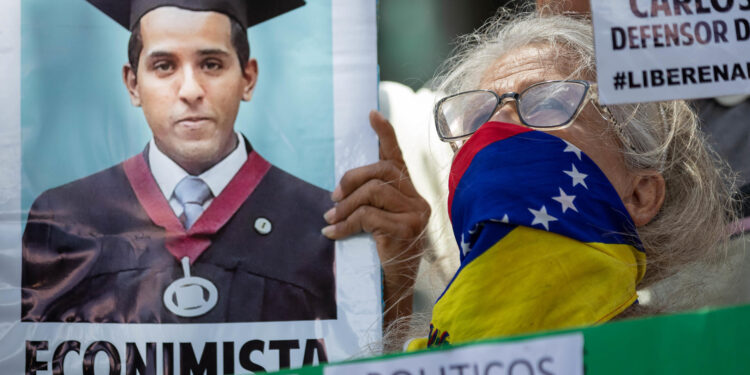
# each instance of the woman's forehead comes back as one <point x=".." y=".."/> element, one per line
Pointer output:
<point x="520" y="68"/>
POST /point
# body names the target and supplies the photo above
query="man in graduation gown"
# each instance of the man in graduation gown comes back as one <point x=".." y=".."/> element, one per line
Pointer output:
<point x="198" y="227"/>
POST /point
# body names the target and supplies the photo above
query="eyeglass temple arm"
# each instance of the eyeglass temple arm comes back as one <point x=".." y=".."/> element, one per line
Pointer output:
<point x="601" y="108"/>
<point x="454" y="146"/>
<point x="608" y="116"/>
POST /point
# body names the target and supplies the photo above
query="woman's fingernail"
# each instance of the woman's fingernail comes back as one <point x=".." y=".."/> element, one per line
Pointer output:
<point x="329" y="215"/>
<point x="337" y="194"/>
<point x="327" y="231"/>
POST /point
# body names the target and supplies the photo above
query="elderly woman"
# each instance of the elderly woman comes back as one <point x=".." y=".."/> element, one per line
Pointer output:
<point x="563" y="207"/>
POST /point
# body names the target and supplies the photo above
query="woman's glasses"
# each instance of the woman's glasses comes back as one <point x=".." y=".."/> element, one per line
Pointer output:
<point x="548" y="105"/>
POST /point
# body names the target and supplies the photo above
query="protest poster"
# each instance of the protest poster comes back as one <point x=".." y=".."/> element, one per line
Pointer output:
<point x="652" y="50"/>
<point x="97" y="302"/>
<point x="706" y="341"/>
<point x="561" y="354"/>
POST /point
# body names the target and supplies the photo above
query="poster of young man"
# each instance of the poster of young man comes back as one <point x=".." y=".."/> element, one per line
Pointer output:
<point x="171" y="208"/>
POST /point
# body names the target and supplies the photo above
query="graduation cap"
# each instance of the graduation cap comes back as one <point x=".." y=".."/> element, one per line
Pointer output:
<point x="247" y="12"/>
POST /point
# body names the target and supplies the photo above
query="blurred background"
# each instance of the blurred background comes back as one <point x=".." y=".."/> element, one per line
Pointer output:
<point x="415" y="36"/>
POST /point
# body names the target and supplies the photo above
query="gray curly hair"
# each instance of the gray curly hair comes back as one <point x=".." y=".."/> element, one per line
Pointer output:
<point x="665" y="137"/>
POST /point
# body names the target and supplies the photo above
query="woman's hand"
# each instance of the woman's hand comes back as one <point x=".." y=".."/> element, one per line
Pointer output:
<point x="380" y="199"/>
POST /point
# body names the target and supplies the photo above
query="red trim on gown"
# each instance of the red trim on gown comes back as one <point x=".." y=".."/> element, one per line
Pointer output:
<point x="193" y="242"/>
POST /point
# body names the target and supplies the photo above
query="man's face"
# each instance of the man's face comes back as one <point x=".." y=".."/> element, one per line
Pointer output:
<point x="190" y="84"/>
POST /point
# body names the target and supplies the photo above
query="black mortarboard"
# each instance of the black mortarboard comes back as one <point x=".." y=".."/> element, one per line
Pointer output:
<point x="246" y="12"/>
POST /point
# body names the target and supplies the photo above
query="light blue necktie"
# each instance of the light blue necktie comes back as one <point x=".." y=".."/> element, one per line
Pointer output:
<point x="191" y="192"/>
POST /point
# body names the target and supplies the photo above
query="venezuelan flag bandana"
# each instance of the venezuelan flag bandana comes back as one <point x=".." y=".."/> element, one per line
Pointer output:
<point x="545" y="240"/>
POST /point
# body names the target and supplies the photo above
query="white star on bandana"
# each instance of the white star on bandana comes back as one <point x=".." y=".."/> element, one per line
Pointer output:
<point x="578" y="178"/>
<point x="542" y="217"/>
<point x="465" y="246"/>
<point x="504" y="220"/>
<point x="566" y="201"/>
<point x="573" y="149"/>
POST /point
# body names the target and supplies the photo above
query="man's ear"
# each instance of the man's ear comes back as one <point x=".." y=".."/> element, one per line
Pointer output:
<point x="250" y="76"/>
<point x="131" y="83"/>
<point x="645" y="197"/>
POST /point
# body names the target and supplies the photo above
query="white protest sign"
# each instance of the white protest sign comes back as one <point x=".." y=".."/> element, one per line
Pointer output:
<point x="561" y="354"/>
<point x="651" y="50"/>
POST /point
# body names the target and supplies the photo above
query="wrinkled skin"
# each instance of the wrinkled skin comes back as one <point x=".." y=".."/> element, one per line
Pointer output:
<point x="381" y="199"/>
<point x="642" y="192"/>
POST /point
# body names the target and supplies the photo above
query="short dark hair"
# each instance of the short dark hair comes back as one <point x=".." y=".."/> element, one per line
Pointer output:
<point x="238" y="35"/>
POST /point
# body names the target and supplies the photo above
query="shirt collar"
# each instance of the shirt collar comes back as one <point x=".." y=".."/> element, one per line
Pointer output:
<point x="167" y="173"/>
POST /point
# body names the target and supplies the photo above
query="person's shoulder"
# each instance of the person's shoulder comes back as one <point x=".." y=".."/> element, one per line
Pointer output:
<point x="294" y="182"/>
<point x="292" y="248"/>
<point x="80" y="192"/>
<point x="293" y="200"/>
<point x="295" y="208"/>
<point x="288" y="186"/>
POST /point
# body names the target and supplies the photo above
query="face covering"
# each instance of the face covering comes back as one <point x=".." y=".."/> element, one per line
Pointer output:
<point x="545" y="240"/>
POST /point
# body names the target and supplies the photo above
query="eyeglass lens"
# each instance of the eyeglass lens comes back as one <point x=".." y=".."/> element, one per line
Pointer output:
<point x="465" y="113"/>
<point x="547" y="104"/>
<point x="550" y="104"/>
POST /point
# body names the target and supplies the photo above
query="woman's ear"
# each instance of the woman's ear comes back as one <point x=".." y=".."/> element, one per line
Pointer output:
<point x="131" y="83"/>
<point x="645" y="198"/>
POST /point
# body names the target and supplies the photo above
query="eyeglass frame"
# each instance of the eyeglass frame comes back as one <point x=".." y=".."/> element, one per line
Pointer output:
<point x="588" y="94"/>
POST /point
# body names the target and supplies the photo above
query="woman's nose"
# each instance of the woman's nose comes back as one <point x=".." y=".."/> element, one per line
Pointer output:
<point x="507" y="113"/>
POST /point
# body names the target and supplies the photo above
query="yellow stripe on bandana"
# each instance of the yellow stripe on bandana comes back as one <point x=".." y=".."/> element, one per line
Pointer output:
<point x="554" y="282"/>
<point x="546" y="242"/>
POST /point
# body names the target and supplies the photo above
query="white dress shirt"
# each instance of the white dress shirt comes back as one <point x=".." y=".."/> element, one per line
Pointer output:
<point x="167" y="173"/>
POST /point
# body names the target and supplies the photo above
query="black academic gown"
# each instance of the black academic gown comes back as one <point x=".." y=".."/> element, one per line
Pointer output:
<point x="92" y="253"/>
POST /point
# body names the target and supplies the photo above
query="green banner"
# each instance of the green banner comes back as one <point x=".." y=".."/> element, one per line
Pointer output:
<point x="708" y="341"/>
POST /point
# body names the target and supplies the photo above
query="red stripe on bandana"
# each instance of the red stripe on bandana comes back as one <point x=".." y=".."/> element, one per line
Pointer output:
<point x="491" y="133"/>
